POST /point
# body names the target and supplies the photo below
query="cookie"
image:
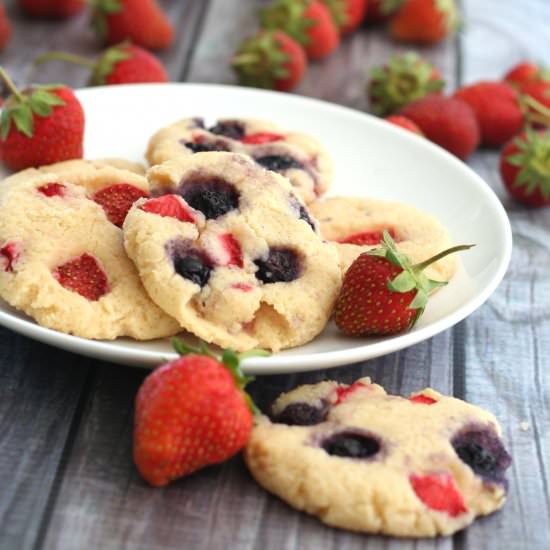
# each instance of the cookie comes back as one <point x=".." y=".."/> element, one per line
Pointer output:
<point x="296" y="156"/>
<point x="229" y="251"/>
<point x="356" y="225"/>
<point x="363" y="460"/>
<point x="62" y="260"/>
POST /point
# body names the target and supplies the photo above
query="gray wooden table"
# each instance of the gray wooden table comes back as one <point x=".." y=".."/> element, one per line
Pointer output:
<point x="67" y="480"/>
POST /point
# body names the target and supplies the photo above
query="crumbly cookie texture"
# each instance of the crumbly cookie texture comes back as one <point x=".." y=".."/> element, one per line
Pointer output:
<point x="228" y="249"/>
<point x="62" y="260"/>
<point x="297" y="156"/>
<point x="356" y="225"/>
<point x="363" y="460"/>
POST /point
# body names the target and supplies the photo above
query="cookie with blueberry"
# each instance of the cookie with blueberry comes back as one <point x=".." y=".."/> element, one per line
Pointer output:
<point x="297" y="156"/>
<point x="229" y="250"/>
<point x="62" y="259"/>
<point x="360" y="459"/>
<point x="357" y="224"/>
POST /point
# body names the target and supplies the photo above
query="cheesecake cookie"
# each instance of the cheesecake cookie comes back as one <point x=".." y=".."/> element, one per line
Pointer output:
<point x="62" y="259"/>
<point x="296" y="156"/>
<point x="363" y="460"/>
<point x="228" y="249"/>
<point x="356" y="225"/>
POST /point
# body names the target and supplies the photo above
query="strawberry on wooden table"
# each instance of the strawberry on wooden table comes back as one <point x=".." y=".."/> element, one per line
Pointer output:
<point x="52" y="8"/>
<point x="424" y="21"/>
<point x="121" y="64"/>
<point x="141" y="21"/>
<point x="270" y="59"/>
<point x="383" y="292"/>
<point x="449" y="122"/>
<point x="403" y="79"/>
<point x="41" y="125"/>
<point x="525" y="168"/>
<point x="309" y="22"/>
<point x="347" y="14"/>
<point x="191" y="413"/>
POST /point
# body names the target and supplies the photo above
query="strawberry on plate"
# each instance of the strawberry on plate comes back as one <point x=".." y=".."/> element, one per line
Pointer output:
<point x="141" y="21"/>
<point x="270" y="59"/>
<point x="525" y="168"/>
<point x="52" y="8"/>
<point x="190" y="413"/>
<point x="41" y="125"/>
<point x="383" y="292"/>
<point x="309" y="22"/>
<point x="121" y="64"/>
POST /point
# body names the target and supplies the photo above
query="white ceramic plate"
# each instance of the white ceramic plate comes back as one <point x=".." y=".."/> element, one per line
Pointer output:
<point x="371" y="158"/>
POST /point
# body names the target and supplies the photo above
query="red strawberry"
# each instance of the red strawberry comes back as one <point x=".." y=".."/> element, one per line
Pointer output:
<point x="380" y="10"/>
<point x="83" y="275"/>
<point x="405" y="123"/>
<point x="233" y="251"/>
<point x="262" y="137"/>
<point x="500" y="110"/>
<point x="5" y="27"/>
<point x="423" y="399"/>
<point x="42" y="125"/>
<point x="449" y="122"/>
<point x="383" y="293"/>
<point x="525" y="168"/>
<point x="374" y="236"/>
<point x="141" y="21"/>
<point x="525" y="72"/>
<point x="52" y="189"/>
<point x="122" y="64"/>
<point x="402" y="80"/>
<point x="307" y="21"/>
<point x="52" y="8"/>
<point x="270" y="60"/>
<point x="439" y="492"/>
<point x="424" y="21"/>
<point x="347" y="14"/>
<point x="169" y="206"/>
<point x="190" y="413"/>
<point x="539" y="91"/>
<point x="10" y="253"/>
<point x="117" y="199"/>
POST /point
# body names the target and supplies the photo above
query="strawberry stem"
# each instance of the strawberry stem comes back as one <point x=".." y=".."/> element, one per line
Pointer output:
<point x="422" y="265"/>
<point x="10" y="84"/>
<point x="64" y="56"/>
<point x="535" y="111"/>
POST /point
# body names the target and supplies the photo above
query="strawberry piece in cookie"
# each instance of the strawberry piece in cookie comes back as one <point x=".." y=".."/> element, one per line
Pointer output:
<point x="117" y="199"/>
<point x="9" y="255"/>
<point x="439" y="492"/>
<point x="83" y="275"/>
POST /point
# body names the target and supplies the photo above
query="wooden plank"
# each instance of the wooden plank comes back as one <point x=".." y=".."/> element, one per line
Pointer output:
<point x="41" y="390"/>
<point x="506" y="365"/>
<point x="32" y="37"/>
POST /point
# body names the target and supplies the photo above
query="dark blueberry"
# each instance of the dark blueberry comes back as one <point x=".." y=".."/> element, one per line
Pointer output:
<point x="303" y="214"/>
<point x="351" y="445"/>
<point x="278" y="163"/>
<point x="302" y="414"/>
<point x="481" y="449"/>
<point x="203" y="147"/>
<point x="212" y="196"/>
<point x="189" y="262"/>
<point x="228" y="128"/>
<point x="281" y="265"/>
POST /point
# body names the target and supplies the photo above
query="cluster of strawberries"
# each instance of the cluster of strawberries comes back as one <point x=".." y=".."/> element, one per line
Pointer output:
<point x="512" y="113"/>
<point x="295" y="31"/>
<point x="45" y="124"/>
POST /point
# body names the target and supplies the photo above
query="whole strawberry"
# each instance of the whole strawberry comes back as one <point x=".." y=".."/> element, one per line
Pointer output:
<point x="190" y="413"/>
<point x="501" y="111"/>
<point x="405" y="123"/>
<point x="270" y="59"/>
<point x="424" y="21"/>
<point x="526" y="71"/>
<point x="5" y="27"/>
<point x="307" y="21"/>
<point x="141" y="21"/>
<point x="449" y="122"/>
<point x="347" y="14"/>
<point x="402" y="80"/>
<point x="52" y="8"/>
<point x="121" y="64"/>
<point x="383" y="293"/>
<point x="381" y="10"/>
<point x="525" y="168"/>
<point x="41" y="125"/>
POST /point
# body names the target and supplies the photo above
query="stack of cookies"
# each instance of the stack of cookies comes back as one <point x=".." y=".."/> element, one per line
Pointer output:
<point x="225" y="237"/>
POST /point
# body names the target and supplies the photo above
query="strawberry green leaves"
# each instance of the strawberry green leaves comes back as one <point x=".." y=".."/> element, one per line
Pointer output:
<point x="101" y="9"/>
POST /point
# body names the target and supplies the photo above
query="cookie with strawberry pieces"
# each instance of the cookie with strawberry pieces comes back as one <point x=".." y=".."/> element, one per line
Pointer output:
<point x="363" y="460"/>
<point x="297" y="156"/>
<point x="62" y="259"/>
